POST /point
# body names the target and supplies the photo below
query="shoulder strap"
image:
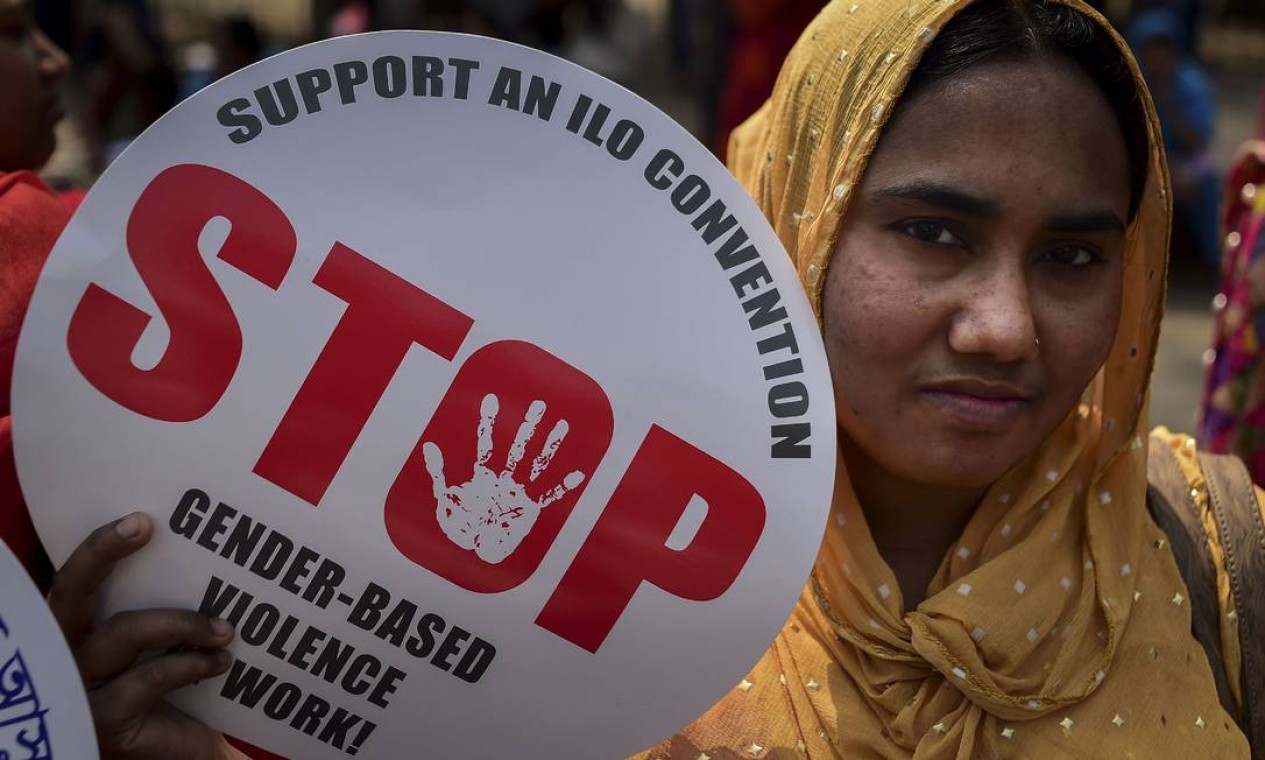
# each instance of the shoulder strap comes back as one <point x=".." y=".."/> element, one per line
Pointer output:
<point x="1238" y="516"/>
<point x="1175" y="512"/>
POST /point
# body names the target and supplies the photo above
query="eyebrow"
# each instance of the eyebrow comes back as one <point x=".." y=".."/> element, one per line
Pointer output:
<point x="1099" y="220"/>
<point x="955" y="199"/>
<point x="945" y="197"/>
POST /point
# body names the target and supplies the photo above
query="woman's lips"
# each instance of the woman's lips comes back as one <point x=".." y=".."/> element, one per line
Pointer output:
<point x="986" y="413"/>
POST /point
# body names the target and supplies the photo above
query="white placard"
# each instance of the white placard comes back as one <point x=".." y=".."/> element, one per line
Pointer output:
<point x="469" y="387"/>
<point x="43" y="707"/>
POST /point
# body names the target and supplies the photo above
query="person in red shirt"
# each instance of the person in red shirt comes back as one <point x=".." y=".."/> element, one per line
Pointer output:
<point x="132" y="660"/>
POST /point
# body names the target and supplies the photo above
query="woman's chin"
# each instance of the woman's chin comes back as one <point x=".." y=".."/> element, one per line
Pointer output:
<point x="976" y="471"/>
<point x="960" y="481"/>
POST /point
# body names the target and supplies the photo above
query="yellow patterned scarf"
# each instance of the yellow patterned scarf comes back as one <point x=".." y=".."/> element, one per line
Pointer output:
<point x="1058" y="625"/>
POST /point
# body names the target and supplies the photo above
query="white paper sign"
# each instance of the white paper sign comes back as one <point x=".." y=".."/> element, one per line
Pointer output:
<point x="43" y="707"/>
<point x="470" y="388"/>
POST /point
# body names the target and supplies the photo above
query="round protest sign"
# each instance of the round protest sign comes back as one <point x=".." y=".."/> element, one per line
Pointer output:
<point x="473" y="391"/>
<point x="43" y="708"/>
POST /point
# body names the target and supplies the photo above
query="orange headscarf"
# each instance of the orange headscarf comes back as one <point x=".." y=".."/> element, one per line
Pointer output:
<point x="1058" y="625"/>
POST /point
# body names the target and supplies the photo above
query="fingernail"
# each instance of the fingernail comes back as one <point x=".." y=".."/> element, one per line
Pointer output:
<point x="223" y="658"/>
<point x="129" y="527"/>
<point x="221" y="627"/>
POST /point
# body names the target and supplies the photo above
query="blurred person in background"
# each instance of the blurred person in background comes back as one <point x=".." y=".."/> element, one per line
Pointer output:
<point x="1186" y="102"/>
<point x="764" y="32"/>
<point x="551" y="24"/>
<point x="237" y="45"/>
<point x="128" y="79"/>
<point x="451" y="16"/>
<point x="234" y="43"/>
<point x="1232" y="417"/>
<point x="132" y="660"/>
<point x="700" y="34"/>
<point x="1191" y="13"/>
<point x="351" y="17"/>
<point x="31" y="217"/>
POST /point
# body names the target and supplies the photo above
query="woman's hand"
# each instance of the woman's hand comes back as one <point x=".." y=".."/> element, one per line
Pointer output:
<point x="134" y="659"/>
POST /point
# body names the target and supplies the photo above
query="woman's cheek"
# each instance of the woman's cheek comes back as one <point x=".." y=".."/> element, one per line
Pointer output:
<point x="869" y="356"/>
<point x="1083" y="341"/>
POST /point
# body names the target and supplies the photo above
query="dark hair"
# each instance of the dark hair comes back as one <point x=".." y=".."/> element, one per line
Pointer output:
<point x="991" y="30"/>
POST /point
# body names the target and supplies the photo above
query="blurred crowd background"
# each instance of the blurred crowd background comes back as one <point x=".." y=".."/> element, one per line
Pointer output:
<point x="707" y="63"/>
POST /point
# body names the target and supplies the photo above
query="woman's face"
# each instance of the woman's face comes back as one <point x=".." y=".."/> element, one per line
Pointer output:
<point x="977" y="282"/>
<point x="30" y="69"/>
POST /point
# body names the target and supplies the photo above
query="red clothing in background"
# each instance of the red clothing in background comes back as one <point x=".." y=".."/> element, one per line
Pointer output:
<point x="31" y="219"/>
<point x="765" y="32"/>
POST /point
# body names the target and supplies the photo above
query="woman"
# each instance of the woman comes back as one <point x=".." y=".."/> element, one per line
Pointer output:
<point x="976" y="201"/>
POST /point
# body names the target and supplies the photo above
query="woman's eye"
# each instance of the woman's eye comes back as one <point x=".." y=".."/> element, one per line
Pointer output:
<point x="926" y="231"/>
<point x="1074" y="256"/>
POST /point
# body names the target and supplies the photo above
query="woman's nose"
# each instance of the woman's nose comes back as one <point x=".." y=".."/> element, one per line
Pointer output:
<point x="996" y="318"/>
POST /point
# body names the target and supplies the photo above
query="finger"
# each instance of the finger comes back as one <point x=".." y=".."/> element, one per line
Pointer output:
<point x="487" y="418"/>
<point x="569" y="483"/>
<point x="552" y="442"/>
<point x="124" y="699"/>
<point x="115" y="645"/>
<point x="524" y="434"/>
<point x="73" y="597"/>
<point x="434" y="459"/>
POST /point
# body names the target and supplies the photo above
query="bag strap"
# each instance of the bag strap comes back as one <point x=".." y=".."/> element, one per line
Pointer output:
<point x="1238" y="515"/>
<point x="1176" y="513"/>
